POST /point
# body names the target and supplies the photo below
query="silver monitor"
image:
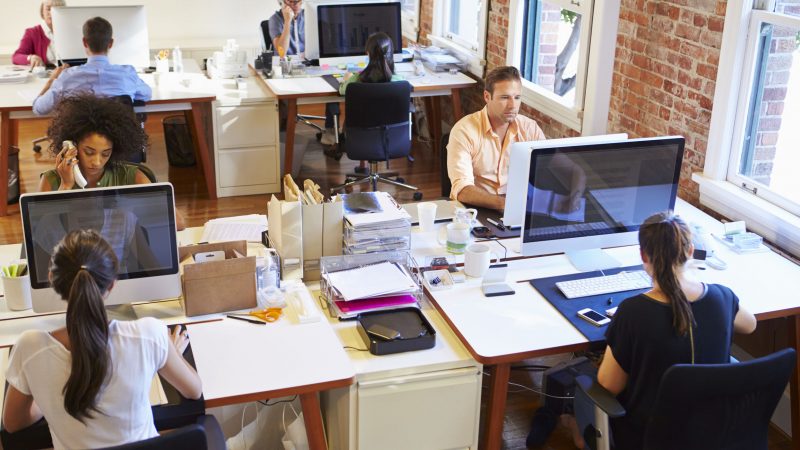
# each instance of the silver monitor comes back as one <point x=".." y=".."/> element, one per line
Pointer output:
<point x="582" y="198"/>
<point x="139" y="223"/>
<point x="131" y="42"/>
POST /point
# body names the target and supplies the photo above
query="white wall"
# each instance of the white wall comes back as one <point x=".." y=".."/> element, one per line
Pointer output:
<point x="190" y="24"/>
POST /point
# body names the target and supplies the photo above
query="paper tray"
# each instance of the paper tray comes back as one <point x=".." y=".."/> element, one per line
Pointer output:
<point x="416" y="333"/>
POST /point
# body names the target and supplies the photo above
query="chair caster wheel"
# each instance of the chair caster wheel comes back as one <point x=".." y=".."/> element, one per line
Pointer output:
<point x="417" y="196"/>
<point x="37" y="148"/>
<point x="349" y="180"/>
<point x="400" y="180"/>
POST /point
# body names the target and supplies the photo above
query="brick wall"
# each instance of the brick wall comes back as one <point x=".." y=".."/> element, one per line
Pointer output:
<point x="665" y="69"/>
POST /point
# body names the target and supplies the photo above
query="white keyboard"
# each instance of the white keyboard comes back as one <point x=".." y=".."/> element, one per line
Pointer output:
<point x="620" y="282"/>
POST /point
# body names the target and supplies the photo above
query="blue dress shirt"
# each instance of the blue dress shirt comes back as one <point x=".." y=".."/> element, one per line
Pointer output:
<point x="97" y="76"/>
<point x="297" y="36"/>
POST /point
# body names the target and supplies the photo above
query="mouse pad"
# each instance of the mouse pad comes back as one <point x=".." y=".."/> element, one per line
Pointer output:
<point x="569" y="308"/>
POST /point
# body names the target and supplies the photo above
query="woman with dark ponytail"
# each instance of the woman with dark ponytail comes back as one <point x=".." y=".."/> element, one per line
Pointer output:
<point x="91" y="379"/>
<point x="680" y="320"/>
<point x="380" y="67"/>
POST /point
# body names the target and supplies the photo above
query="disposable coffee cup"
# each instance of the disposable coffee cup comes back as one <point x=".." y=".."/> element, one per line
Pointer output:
<point x="426" y="213"/>
<point x="17" y="292"/>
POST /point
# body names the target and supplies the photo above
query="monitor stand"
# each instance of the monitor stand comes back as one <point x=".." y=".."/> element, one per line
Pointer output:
<point x="592" y="259"/>
<point x="121" y="312"/>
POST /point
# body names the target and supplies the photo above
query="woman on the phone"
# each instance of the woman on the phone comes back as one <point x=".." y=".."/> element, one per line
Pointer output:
<point x="91" y="379"/>
<point x="680" y="320"/>
<point x="105" y="133"/>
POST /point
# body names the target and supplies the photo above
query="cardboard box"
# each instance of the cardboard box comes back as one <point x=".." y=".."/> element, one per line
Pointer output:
<point x="322" y="235"/>
<point x="218" y="286"/>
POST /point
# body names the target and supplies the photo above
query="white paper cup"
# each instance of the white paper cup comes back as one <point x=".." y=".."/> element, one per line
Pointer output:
<point x="17" y="292"/>
<point x="477" y="259"/>
<point x="156" y="78"/>
<point x="162" y="65"/>
<point x="426" y="213"/>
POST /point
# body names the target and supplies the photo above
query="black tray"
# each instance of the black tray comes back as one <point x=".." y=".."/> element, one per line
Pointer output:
<point x="416" y="333"/>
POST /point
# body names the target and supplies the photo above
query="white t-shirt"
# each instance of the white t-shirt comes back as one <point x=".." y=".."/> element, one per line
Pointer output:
<point x="40" y="366"/>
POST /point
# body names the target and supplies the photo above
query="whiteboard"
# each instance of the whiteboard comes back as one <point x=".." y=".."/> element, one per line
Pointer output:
<point x="197" y="23"/>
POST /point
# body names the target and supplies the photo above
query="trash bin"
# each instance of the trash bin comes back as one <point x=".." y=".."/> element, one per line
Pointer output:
<point x="180" y="148"/>
<point x="13" y="175"/>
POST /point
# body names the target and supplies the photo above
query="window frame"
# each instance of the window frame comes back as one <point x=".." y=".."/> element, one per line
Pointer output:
<point x="589" y="114"/>
<point x="472" y="54"/>
<point x="763" y="211"/>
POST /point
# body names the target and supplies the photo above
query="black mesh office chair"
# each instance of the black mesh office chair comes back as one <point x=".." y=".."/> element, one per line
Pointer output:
<point x="302" y="118"/>
<point x="378" y="128"/>
<point x="446" y="185"/>
<point x="141" y="118"/>
<point x="702" y="406"/>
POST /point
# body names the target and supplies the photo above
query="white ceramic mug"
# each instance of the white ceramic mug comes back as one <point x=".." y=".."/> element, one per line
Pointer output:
<point x="17" y="292"/>
<point x="477" y="259"/>
<point x="426" y="214"/>
<point x="456" y="237"/>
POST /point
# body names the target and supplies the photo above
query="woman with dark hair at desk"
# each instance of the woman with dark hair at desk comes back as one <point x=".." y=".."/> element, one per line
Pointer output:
<point x="91" y="379"/>
<point x="680" y="320"/>
<point x="36" y="47"/>
<point x="380" y="68"/>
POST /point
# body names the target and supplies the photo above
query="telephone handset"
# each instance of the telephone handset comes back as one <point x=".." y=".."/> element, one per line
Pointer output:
<point x="704" y="250"/>
<point x="76" y="171"/>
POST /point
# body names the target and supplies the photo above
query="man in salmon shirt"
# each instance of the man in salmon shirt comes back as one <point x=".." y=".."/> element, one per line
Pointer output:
<point x="480" y="143"/>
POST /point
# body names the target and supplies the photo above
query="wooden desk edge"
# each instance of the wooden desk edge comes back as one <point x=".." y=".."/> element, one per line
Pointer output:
<point x="278" y="393"/>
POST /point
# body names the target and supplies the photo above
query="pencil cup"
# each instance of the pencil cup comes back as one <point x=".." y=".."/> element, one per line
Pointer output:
<point x="162" y="65"/>
<point x="17" y="292"/>
<point x="426" y="213"/>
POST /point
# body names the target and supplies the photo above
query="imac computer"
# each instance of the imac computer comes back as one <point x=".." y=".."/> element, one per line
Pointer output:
<point x="582" y="198"/>
<point x="139" y="223"/>
<point x="518" y="170"/>
<point x="131" y="42"/>
<point x="337" y="30"/>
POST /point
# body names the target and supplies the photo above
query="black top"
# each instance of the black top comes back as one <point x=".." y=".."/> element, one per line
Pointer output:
<point x="645" y="345"/>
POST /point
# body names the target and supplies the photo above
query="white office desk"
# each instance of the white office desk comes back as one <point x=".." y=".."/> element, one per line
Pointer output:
<point x="501" y="330"/>
<point x="237" y="361"/>
<point x="315" y="90"/>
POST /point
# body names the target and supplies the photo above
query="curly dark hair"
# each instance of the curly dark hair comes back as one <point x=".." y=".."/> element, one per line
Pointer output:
<point x="77" y="116"/>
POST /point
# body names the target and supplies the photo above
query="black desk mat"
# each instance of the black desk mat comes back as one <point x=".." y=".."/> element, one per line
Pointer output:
<point x="569" y="308"/>
<point x="486" y="213"/>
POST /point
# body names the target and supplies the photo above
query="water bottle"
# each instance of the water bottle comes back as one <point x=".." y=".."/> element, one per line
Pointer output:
<point x="177" y="60"/>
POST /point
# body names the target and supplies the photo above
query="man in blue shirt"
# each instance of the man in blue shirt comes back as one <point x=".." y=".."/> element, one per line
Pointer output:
<point x="97" y="76"/>
<point x="291" y="39"/>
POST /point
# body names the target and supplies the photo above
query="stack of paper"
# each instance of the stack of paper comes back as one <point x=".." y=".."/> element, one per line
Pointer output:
<point x="238" y="228"/>
<point x="374" y="222"/>
<point x="389" y="286"/>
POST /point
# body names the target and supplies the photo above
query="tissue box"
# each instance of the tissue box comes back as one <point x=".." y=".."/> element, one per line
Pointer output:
<point x="218" y="286"/>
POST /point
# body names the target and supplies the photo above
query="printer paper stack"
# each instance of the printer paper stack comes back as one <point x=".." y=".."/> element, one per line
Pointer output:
<point x="374" y="222"/>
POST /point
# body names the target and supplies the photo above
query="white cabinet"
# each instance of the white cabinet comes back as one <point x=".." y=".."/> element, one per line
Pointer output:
<point x="422" y="400"/>
<point x="246" y="146"/>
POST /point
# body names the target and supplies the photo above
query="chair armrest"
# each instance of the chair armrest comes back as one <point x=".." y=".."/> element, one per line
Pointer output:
<point x="600" y="396"/>
<point x="215" y="439"/>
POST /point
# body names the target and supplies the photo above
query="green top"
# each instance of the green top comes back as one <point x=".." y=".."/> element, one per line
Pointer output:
<point x="356" y="78"/>
<point x="116" y="174"/>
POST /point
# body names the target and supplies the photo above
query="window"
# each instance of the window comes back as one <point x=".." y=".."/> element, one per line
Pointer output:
<point x="460" y="25"/>
<point x="555" y="43"/>
<point x="409" y="10"/>
<point x="753" y="137"/>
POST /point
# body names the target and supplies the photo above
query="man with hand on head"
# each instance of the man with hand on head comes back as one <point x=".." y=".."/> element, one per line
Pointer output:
<point x="480" y="144"/>
<point x="97" y="76"/>
<point x="288" y="40"/>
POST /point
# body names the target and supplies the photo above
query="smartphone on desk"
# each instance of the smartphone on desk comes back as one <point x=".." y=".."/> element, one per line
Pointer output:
<point x="593" y="317"/>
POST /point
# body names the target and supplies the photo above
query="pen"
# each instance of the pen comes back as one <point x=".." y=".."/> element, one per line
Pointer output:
<point x="496" y="223"/>
<point x="257" y="322"/>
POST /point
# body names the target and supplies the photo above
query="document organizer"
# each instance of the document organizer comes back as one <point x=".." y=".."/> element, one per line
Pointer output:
<point x="330" y="264"/>
<point x="413" y="331"/>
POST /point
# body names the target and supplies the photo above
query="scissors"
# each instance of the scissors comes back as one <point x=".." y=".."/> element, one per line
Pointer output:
<point x="267" y="315"/>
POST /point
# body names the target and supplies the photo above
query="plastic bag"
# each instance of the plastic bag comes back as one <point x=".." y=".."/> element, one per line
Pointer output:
<point x="294" y="437"/>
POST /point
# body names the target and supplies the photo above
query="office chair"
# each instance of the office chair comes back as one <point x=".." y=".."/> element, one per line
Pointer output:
<point x="378" y="128"/>
<point x="141" y="117"/>
<point x="701" y="406"/>
<point x="302" y="118"/>
<point x="205" y="434"/>
<point x="446" y="185"/>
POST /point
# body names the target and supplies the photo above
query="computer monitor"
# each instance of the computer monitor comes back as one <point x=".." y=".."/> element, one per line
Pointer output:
<point x="518" y="171"/>
<point x="337" y="30"/>
<point x="139" y="223"/>
<point x="582" y="198"/>
<point x="131" y="42"/>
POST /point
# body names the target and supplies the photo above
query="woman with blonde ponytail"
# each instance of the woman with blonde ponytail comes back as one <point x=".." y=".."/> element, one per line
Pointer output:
<point x="91" y="379"/>
<point x="680" y="320"/>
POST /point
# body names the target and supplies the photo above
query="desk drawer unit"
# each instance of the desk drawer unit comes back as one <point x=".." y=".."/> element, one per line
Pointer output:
<point x="246" y="150"/>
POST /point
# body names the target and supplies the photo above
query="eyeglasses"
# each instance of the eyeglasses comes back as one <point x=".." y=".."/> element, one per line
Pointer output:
<point x="292" y="2"/>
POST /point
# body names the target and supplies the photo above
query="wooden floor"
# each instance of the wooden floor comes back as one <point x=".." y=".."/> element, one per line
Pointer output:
<point x="192" y="200"/>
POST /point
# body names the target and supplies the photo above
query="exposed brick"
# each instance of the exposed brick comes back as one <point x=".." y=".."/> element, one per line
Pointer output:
<point x="673" y="88"/>
<point x="774" y="94"/>
<point x="707" y="71"/>
<point x="665" y="9"/>
<point x="767" y="138"/>
<point x="775" y="109"/>
<point x="687" y="32"/>
<point x="689" y="81"/>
